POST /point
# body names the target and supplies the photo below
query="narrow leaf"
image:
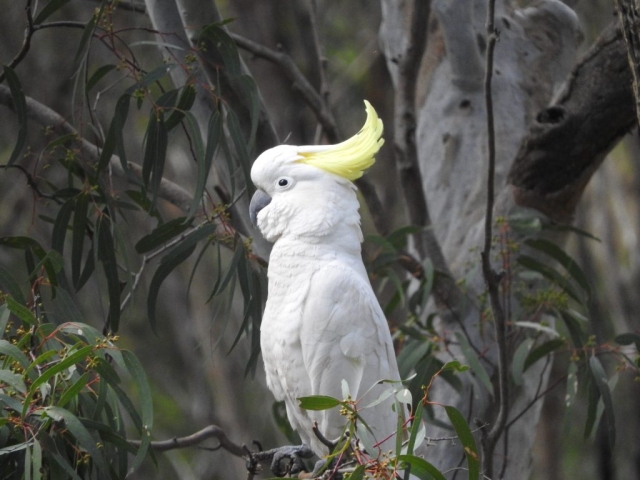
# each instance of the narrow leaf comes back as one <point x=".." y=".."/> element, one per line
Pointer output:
<point x="79" y="230"/>
<point x="421" y="468"/>
<point x="542" y="351"/>
<point x="558" y="254"/>
<point x="318" y="402"/>
<point x="600" y="378"/>
<point x="20" y="105"/>
<point x="466" y="438"/>
<point x="97" y="76"/>
<point x="551" y="275"/>
<point x="474" y="362"/>
<point x="49" y="9"/>
<point x="162" y="234"/>
<point x="9" y="284"/>
<point x="107" y="256"/>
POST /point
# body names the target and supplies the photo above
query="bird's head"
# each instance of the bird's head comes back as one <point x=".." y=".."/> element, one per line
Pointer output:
<point x="307" y="190"/>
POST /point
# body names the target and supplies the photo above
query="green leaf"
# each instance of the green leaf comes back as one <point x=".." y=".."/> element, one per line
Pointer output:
<point x="97" y="76"/>
<point x="214" y="137"/>
<point x="571" y="393"/>
<point x="421" y="468"/>
<point x="600" y="378"/>
<point x="398" y="238"/>
<point x="542" y="351"/>
<point x="570" y="265"/>
<point x="34" y="464"/>
<point x="169" y="262"/>
<point x="10" y="285"/>
<point x="155" y="154"/>
<point x="81" y="434"/>
<point x="14" y="380"/>
<point x="474" y="362"/>
<point x="550" y="274"/>
<point x="14" y="352"/>
<point x="415" y="428"/>
<point x="49" y="9"/>
<point x="466" y="438"/>
<point x="519" y="358"/>
<point x="358" y="473"/>
<point x="151" y="77"/>
<point x="72" y="359"/>
<point x="114" y="139"/>
<point x="185" y="102"/>
<point x="20" y="105"/>
<point x="318" y="402"/>
<point x="593" y="397"/>
<point x="61" y="225"/>
<point x="88" y="33"/>
<point x="574" y="323"/>
<point x="68" y="310"/>
<point x="454" y="366"/>
<point x="242" y="153"/>
<point x="20" y="311"/>
<point x="162" y="234"/>
<point x="215" y="39"/>
<point x="538" y="327"/>
<point x="107" y="256"/>
<point x="144" y="392"/>
<point x="73" y="391"/>
<point x="5" y="313"/>
<point x="79" y="229"/>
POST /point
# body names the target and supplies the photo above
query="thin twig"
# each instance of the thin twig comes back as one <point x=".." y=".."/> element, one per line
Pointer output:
<point x="319" y="57"/>
<point x="33" y="184"/>
<point x="147" y="258"/>
<point x="491" y="277"/>
<point x="26" y="43"/>
<point x="300" y="82"/>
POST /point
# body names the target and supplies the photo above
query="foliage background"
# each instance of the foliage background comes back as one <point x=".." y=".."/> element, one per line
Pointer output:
<point x="194" y="380"/>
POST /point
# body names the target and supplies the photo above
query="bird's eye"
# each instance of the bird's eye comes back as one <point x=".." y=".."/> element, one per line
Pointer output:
<point x="284" y="183"/>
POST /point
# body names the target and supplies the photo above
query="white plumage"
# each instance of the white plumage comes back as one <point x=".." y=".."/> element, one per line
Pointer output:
<point x="322" y="321"/>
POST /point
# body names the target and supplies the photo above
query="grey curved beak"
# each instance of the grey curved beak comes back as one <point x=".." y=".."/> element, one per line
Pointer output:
<point x="259" y="200"/>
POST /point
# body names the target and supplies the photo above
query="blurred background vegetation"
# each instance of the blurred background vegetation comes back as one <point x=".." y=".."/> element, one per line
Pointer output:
<point x="195" y="379"/>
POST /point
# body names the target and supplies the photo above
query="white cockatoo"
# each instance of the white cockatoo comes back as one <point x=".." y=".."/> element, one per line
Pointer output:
<point x="322" y="323"/>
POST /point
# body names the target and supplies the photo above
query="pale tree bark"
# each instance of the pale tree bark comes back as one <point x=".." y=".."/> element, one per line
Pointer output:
<point x="554" y="127"/>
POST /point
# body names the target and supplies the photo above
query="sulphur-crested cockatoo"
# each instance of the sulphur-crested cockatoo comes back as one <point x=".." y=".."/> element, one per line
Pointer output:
<point x="322" y="323"/>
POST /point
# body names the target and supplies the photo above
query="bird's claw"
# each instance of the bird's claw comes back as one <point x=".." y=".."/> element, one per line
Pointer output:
<point x="293" y="453"/>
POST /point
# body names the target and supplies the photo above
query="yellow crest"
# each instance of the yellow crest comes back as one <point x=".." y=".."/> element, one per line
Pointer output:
<point x="352" y="157"/>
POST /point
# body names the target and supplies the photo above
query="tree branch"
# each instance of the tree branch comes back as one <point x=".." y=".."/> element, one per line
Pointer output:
<point x="570" y="138"/>
<point x="26" y="43"/>
<point x="492" y="278"/>
<point x="406" y="152"/>
<point x="211" y="431"/>
<point x="45" y="116"/>
<point x="300" y="82"/>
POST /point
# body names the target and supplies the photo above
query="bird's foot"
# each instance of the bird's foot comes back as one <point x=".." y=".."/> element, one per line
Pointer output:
<point x="293" y="453"/>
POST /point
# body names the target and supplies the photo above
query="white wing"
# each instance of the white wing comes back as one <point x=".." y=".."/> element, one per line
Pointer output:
<point x="345" y="335"/>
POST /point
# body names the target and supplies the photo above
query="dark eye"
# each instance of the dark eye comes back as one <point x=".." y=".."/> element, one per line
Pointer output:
<point x="283" y="182"/>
